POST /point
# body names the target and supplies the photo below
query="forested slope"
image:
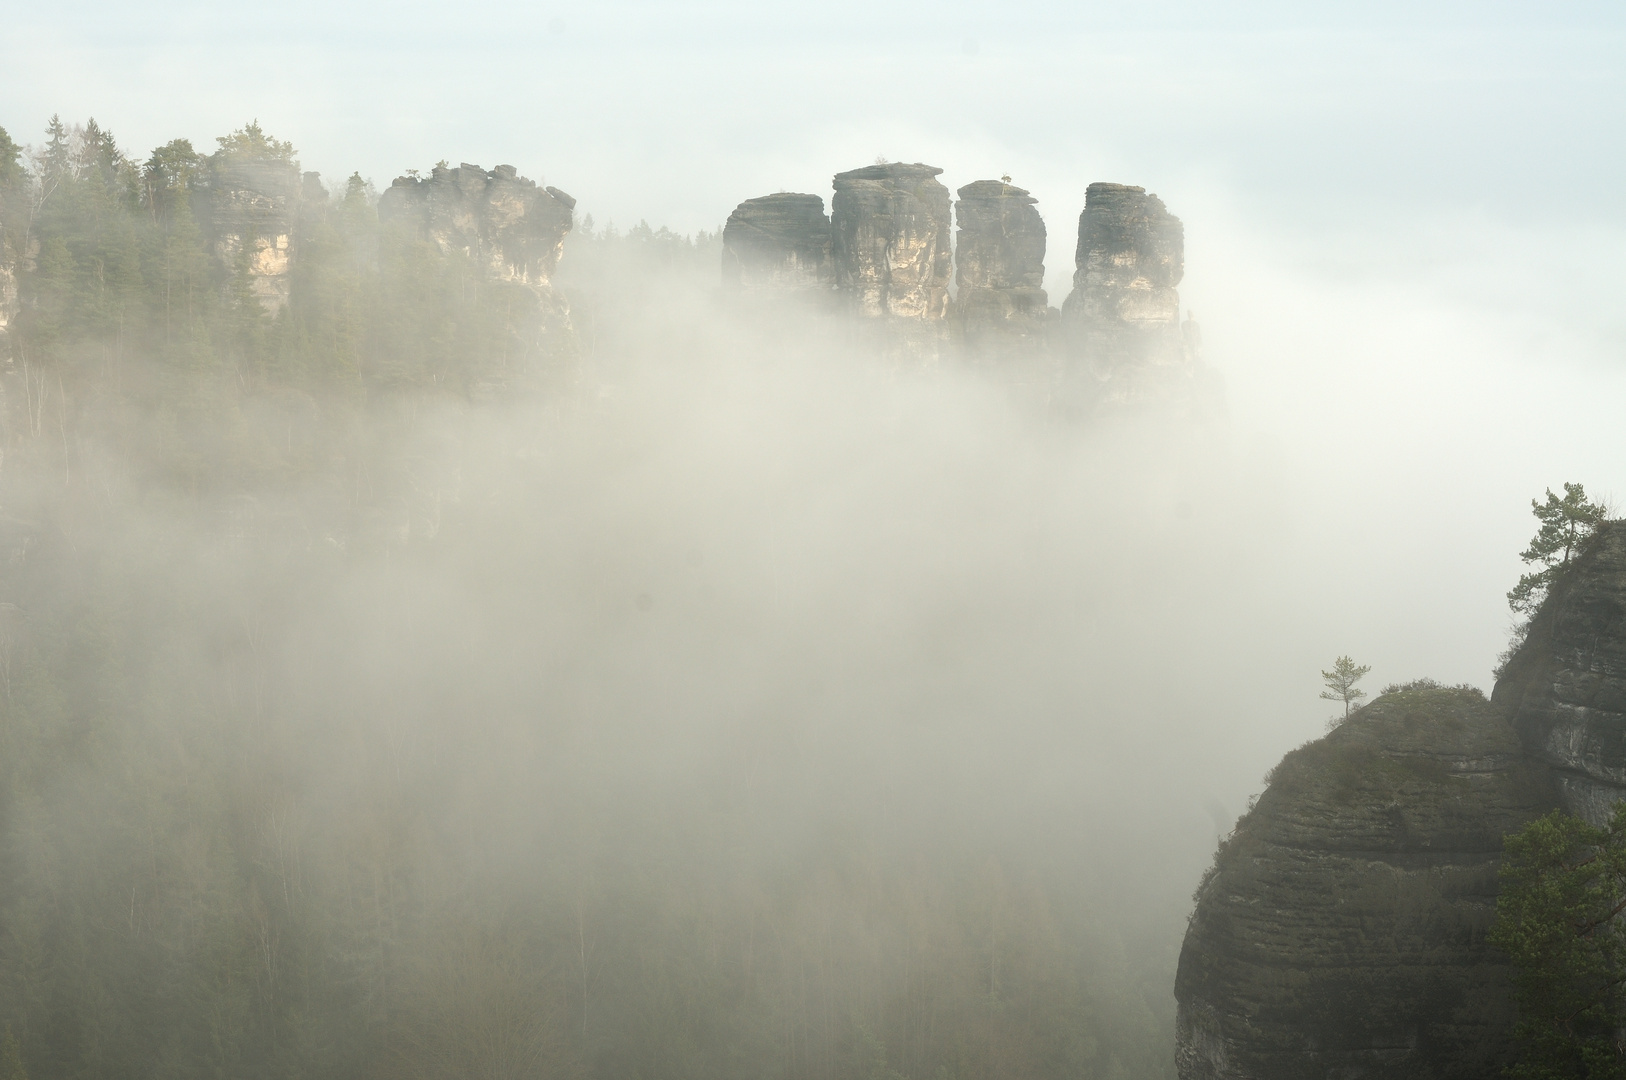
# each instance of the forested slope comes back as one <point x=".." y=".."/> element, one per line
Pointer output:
<point x="338" y="738"/>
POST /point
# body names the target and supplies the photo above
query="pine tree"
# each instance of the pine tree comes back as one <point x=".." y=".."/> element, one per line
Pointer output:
<point x="1565" y="525"/>
<point x="1341" y="682"/>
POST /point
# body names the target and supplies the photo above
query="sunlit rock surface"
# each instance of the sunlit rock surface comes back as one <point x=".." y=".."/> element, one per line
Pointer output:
<point x="892" y="246"/>
<point x="251" y="208"/>
<point x="503" y="222"/>
<point x="779" y="245"/>
<point x="1122" y="319"/>
<point x="1566" y="686"/>
<point x="999" y="270"/>
<point x="1342" y="932"/>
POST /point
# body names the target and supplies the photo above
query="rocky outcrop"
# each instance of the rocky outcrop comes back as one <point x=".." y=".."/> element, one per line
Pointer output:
<point x="251" y="206"/>
<point x="1565" y="687"/>
<point x="779" y="245"/>
<point x="892" y="252"/>
<point x="1122" y="319"/>
<point x="999" y="269"/>
<point x="1341" y="932"/>
<point x="509" y="227"/>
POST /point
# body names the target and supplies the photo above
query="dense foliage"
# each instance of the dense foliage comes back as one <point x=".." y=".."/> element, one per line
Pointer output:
<point x="1558" y="917"/>
<point x="234" y="841"/>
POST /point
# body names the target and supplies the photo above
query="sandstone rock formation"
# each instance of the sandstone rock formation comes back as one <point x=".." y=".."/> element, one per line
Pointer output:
<point x="1565" y="687"/>
<point x="1342" y="930"/>
<point x="778" y="245"/>
<point x="508" y="226"/>
<point x="252" y="204"/>
<point x="1122" y="319"/>
<point x="999" y="269"/>
<point x="892" y="243"/>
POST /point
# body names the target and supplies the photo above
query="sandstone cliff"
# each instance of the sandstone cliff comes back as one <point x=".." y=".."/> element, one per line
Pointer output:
<point x="1565" y="687"/>
<point x="1342" y="931"/>
<point x="999" y="270"/>
<point x="1122" y="319"/>
<point x="779" y="245"/>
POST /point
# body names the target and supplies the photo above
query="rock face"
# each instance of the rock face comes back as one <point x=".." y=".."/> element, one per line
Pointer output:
<point x="999" y="268"/>
<point x="252" y="205"/>
<point x="1122" y="318"/>
<point x="508" y="226"/>
<point x="778" y="245"/>
<point x="891" y="242"/>
<point x="1565" y="687"/>
<point x="1342" y="931"/>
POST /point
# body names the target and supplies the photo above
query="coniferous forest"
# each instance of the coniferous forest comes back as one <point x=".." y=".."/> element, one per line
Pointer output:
<point x="358" y="718"/>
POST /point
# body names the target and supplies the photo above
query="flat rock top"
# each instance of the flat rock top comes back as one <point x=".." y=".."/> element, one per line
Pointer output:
<point x="994" y="189"/>
<point x="896" y="170"/>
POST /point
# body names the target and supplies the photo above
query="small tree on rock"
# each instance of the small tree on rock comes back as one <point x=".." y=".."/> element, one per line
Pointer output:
<point x="1565" y="525"/>
<point x="1341" y="682"/>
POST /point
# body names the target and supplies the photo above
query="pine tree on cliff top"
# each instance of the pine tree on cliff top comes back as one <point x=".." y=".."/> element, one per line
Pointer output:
<point x="1341" y="682"/>
<point x="1565" y="525"/>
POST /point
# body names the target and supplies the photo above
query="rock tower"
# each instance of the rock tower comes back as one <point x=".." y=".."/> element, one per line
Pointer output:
<point x="1122" y="319"/>
<point x="999" y="270"/>
<point x="779" y="244"/>
<point x="892" y="248"/>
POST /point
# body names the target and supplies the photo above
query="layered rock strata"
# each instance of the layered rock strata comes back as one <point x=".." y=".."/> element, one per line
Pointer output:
<point x="1341" y="932"/>
<point x="1122" y="319"/>
<point x="779" y="245"/>
<point x="509" y="227"/>
<point x="999" y="269"/>
<point x="891" y="242"/>
<point x="251" y="207"/>
<point x="1565" y="687"/>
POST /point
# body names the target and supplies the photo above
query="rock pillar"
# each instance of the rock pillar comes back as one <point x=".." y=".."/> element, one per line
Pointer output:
<point x="778" y="245"/>
<point x="999" y="269"/>
<point x="891" y="241"/>
<point x="1122" y="319"/>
